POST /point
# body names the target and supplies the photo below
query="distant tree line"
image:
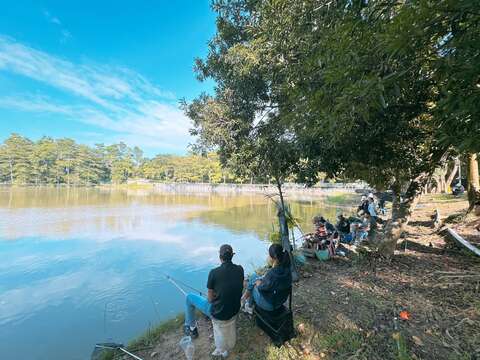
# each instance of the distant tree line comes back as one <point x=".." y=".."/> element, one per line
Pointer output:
<point x="63" y="161"/>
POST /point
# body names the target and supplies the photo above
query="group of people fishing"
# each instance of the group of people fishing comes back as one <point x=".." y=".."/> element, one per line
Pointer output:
<point x="352" y="230"/>
<point x="229" y="290"/>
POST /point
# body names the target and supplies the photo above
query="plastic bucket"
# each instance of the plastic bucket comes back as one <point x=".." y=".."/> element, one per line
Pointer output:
<point x="299" y="258"/>
<point x="225" y="334"/>
<point x="188" y="347"/>
<point x="322" y="255"/>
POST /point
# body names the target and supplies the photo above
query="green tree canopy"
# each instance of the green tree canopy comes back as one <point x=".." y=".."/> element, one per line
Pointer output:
<point x="63" y="161"/>
<point x="349" y="88"/>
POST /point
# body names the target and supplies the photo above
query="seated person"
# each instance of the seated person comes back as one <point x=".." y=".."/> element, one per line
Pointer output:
<point x="372" y="210"/>
<point x="311" y="240"/>
<point x="343" y="225"/>
<point x="363" y="207"/>
<point x="353" y="230"/>
<point x="364" y="228"/>
<point x="272" y="290"/>
<point x="321" y="231"/>
<point x="225" y="286"/>
<point x="330" y="228"/>
<point x="329" y="243"/>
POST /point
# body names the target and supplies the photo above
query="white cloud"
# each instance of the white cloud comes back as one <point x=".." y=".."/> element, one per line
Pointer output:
<point x="65" y="35"/>
<point x="115" y="99"/>
<point x="34" y="104"/>
<point x="52" y="19"/>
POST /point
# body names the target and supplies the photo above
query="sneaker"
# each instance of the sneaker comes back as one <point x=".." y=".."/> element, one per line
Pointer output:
<point x="247" y="308"/>
<point x="217" y="352"/>
<point x="188" y="331"/>
<point x="223" y="354"/>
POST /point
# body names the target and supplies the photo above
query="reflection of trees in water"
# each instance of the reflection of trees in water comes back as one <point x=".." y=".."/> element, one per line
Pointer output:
<point x="240" y="213"/>
<point x="25" y="197"/>
<point x="259" y="218"/>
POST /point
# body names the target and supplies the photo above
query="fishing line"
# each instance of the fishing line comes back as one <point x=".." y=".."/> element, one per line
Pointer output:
<point x="155" y="308"/>
<point x="105" y="320"/>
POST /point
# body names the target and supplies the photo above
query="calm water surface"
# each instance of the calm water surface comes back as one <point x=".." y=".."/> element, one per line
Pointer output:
<point x="80" y="266"/>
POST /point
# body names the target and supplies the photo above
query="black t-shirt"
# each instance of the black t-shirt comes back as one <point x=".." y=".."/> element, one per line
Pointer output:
<point x="227" y="283"/>
<point x="343" y="226"/>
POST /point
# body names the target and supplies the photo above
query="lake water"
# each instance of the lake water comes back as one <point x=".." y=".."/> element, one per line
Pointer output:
<point x="80" y="266"/>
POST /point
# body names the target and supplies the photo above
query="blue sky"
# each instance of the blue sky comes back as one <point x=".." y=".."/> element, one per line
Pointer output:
<point x="102" y="71"/>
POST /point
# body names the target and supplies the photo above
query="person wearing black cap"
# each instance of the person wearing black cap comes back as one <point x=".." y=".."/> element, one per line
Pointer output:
<point x="225" y="287"/>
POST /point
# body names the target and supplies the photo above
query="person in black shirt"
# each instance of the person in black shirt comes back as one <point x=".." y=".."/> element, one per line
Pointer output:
<point x="330" y="228"/>
<point x="225" y="287"/>
<point x="273" y="289"/>
<point x="343" y="225"/>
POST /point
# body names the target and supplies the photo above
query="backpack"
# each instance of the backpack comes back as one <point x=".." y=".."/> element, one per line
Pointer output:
<point x="277" y="324"/>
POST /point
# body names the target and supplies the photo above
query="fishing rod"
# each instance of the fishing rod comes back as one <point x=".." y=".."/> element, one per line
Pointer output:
<point x="177" y="283"/>
<point x="100" y="348"/>
<point x="113" y="346"/>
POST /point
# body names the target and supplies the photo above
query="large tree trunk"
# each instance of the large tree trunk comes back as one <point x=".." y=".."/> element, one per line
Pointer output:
<point x="284" y="233"/>
<point x="402" y="210"/>
<point x="473" y="183"/>
<point x="442" y="183"/>
<point x="454" y="171"/>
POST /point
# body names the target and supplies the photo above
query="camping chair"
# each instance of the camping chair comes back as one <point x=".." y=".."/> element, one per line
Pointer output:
<point x="277" y="324"/>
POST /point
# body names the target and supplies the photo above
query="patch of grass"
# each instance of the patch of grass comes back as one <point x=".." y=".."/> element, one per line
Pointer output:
<point x="464" y="356"/>
<point x="476" y="305"/>
<point x="108" y="355"/>
<point x="253" y="344"/>
<point x="248" y="339"/>
<point x="342" y="199"/>
<point x="341" y="342"/>
<point x="153" y="335"/>
<point x="401" y="347"/>
<point x="281" y="353"/>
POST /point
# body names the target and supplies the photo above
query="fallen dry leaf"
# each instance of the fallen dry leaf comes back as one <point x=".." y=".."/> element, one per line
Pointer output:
<point x="417" y="340"/>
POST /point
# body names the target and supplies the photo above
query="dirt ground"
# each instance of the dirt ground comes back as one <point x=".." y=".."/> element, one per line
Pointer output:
<point x="423" y="304"/>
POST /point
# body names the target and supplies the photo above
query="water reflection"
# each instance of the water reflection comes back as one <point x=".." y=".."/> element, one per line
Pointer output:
<point x="74" y="257"/>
